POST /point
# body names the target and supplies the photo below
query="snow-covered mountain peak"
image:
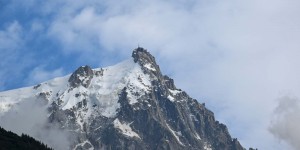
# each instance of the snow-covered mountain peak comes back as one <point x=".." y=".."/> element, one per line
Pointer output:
<point x="98" y="89"/>
<point x="130" y="105"/>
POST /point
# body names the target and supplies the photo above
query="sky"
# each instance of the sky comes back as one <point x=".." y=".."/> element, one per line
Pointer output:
<point x="239" y="57"/>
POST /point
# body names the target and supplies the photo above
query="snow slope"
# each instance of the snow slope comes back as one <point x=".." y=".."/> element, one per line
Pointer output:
<point x="103" y="90"/>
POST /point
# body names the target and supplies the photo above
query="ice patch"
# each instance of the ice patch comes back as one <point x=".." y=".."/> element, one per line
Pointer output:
<point x="125" y="128"/>
<point x="175" y="135"/>
<point x="197" y="136"/>
<point x="174" y="92"/>
<point x="171" y="98"/>
<point x="82" y="145"/>
<point x="207" y="147"/>
<point x="150" y="67"/>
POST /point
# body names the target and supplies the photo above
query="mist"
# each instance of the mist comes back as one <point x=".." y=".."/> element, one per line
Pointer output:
<point x="30" y="117"/>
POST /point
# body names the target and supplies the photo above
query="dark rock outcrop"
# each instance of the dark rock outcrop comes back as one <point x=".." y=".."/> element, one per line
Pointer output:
<point x="147" y="63"/>
<point x="82" y="76"/>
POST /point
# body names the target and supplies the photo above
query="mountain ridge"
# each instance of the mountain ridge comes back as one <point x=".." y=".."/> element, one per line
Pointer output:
<point x="131" y="105"/>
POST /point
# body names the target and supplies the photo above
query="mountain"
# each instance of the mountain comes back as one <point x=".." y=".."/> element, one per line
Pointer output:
<point x="11" y="141"/>
<point x="130" y="105"/>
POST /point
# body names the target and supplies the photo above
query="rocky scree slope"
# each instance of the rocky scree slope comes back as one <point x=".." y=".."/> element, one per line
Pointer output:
<point x="131" y="105"/>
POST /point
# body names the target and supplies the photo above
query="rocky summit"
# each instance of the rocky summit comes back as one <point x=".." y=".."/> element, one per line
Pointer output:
<point x="128" y="106"/>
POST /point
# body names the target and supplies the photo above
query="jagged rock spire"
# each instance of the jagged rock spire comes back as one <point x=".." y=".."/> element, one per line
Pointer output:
<point x="141" y="54"/>
<point x="82" y="76"/>
<point x="147" y="62"/>
<point x="149" y="65"/>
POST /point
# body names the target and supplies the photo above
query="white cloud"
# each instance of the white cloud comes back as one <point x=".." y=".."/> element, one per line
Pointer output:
<point x="286" y="120"/>
<point x="11" y="42"/>
<point x="10" y="37"/>
<point x="40" y="74"/>
<point x="78" y="33"/>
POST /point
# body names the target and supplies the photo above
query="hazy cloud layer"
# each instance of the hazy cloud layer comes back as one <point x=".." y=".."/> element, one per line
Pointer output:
<point x="30" y="117"/>
<point x="236" y="56"/>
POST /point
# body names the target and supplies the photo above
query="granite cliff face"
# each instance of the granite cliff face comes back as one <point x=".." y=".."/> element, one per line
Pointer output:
<point x="133" y="106"/>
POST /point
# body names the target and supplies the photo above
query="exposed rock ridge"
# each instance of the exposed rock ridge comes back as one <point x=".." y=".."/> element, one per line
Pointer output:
<point x="150" y="67"/>
<point x="169" y="119"/>
<point x="166" y="118"/>
<point x="82" y="76"/>
<point x="147" y="62"/>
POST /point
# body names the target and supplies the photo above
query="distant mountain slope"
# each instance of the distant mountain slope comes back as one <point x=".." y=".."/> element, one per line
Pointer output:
<point x="11" y="141"/>
<point x="130" y="105"/>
